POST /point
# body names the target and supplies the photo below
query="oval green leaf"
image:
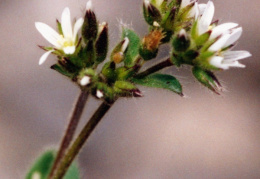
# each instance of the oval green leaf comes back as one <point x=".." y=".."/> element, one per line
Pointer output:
<point x="160" y="81"/>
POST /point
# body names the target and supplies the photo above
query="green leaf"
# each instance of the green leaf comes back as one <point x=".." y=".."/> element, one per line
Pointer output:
<point x="42" y="167"/>
<point x="161" y="81"/>
<point x="133" y="47"/>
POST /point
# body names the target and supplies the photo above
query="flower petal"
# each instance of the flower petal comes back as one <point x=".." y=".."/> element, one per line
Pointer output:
<point x="234" y="36"/>
<point x="236" y="55"/>
<point x="218" y="45"/>
<point x="233" y="64"/>
<point x="77" y="26"/>
<point x="202" y="8"/>
<point x="206" y="18"/>
<point x="48" y="33"/>
<point x="185" y="3"/>
<point x="69" y="49"/>
<point x="66" y="23"/>
<point x="222" y="29"/>
<point x="216" y="61"/>
<point x="44" y="57"/>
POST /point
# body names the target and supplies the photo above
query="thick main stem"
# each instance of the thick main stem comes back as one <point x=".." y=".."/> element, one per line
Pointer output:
<point x="81" y="139"/>
<point x="70" y="131"/>
<point x="155" y="68"/>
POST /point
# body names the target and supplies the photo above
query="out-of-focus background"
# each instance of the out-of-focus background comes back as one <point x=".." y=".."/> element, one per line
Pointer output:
<point x="159" y="136"/>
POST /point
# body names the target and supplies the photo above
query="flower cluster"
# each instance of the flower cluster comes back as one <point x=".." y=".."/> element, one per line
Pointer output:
<point x="196" y="40"/>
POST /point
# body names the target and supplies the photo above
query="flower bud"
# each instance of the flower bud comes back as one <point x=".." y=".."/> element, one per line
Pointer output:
<point x="151" y="13"/>
<point x="208" y="79"/>
<point x="150" y="44"/>
<point x="181" y="42"/>
<point x="85" y="81"/>
<point x="101" y="45"/>
<point x="117" y="54"/>
<point x="90" y="25"/>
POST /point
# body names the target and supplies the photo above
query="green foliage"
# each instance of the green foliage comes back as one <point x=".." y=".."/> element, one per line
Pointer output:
<point x="207" y="78"/>
<point x="160" y="81"/>
<point x="132" y="52"/>
<point x="43" y="164"/>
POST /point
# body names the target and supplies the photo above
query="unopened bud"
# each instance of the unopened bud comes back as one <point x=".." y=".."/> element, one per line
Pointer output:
<point x="151" y="13"/>
<point x="99" y="94"/>
<point x="181" y="42"/>
<point x="101" y="45"/>
<point x="208" y="79"/>
<point x="117" y="54"/>
<point x="90" y="25"/>
<point x="85" y="81"/>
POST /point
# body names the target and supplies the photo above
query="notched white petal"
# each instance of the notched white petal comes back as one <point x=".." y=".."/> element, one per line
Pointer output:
<point x="206" y="18"/>
<point x="66" y="23"/>
<point x="222" y="29"/>
<point x="218" y="45"/>
<point x="217" y="62"/>
<point x="77" y="27"/>
<point x="44" y="57"/>
<point x="234" y="36"/>
<point x="236" y="55"/>
<point x="48" y="33"/>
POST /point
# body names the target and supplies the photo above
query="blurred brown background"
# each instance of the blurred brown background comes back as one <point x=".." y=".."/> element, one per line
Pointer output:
<point x="159" y="136"/>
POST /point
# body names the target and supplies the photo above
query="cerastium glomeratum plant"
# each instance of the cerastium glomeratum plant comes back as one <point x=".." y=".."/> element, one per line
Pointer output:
<point x="81" y="47"/>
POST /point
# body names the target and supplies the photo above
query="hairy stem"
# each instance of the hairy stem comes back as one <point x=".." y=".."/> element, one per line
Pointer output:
<point x="81" y="139"/>
<point x="70" y="131"/>
<point x="155" y="68"/>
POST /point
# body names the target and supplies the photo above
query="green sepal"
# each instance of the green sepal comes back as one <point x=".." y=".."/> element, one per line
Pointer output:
<point x="207" y="78"/>
<point x="109" y="72"/>
<point x="190" y="55"/>
<point x="147" y="54"/>
<point x="202" y="39"/>
<point x="125" y="85"/>
<point x="101" y="45"/>
<point x="194" y="31"/>
<point x="62" y="70"/>
<point x="123" y="73"/>
<point x="181" y="43"/>
<point x="126" y="89"/>
<point x="43" y="164"/>
<point x="169" y="19"/>
<point x="89" y="54"/>
<point x="107" y="91"/>
<point x="160" y="81"/>
<point x="132" y="51"/>
<point x="59" y="27"/>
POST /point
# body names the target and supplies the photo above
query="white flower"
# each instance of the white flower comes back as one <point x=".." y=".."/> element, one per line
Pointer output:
<point x="228" y="34"/>
<point x="65" y="42"/>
